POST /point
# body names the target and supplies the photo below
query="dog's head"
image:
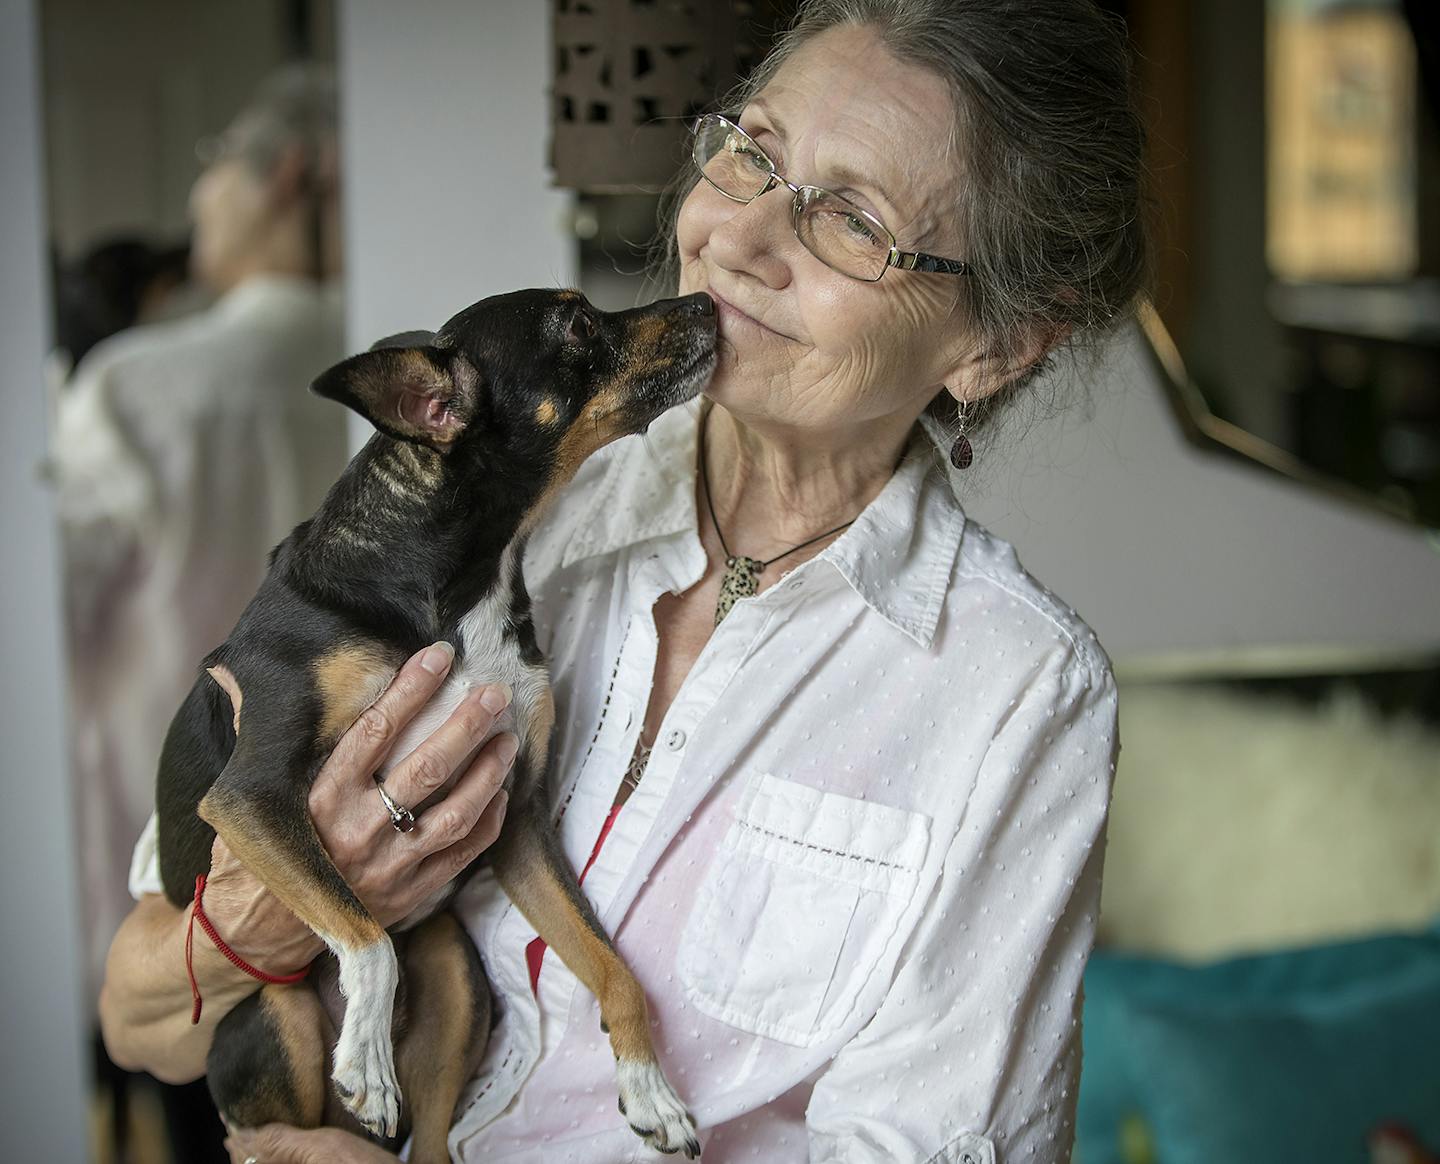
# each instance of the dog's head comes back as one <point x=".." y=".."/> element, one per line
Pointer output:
<point x="537" y="377"/>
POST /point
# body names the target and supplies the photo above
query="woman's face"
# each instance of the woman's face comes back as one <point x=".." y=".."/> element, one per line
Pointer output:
<point x="807" y="346"/>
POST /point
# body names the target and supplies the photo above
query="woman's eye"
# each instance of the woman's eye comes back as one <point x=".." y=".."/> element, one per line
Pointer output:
<point x="859" y="227"/>
<point x="741" y="147"/>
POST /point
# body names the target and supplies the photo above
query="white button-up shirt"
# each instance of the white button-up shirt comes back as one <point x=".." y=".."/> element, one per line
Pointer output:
<point x="860" y="877"/>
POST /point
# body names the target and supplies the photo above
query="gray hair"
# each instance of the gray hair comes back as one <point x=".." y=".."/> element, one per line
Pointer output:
<point x="1051" y="210"/>
<point x="295" y="106"/>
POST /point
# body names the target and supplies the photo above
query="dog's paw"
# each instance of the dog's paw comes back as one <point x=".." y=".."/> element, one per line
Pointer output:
<point x="365" y="1082"/>
<point x="653" y="1110"/>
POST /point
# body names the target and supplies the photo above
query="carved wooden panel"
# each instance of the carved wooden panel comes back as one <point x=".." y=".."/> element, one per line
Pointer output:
<point x="630" y="76"/>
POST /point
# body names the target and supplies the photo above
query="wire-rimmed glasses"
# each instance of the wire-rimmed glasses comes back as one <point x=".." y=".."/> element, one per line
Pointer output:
<point x="833" y="229"/>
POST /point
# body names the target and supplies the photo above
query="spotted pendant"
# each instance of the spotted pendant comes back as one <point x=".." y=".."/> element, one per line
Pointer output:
<point x="741" y="580"/>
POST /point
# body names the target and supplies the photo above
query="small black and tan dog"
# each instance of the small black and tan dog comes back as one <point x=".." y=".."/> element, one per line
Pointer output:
<point x="420" y="540"/>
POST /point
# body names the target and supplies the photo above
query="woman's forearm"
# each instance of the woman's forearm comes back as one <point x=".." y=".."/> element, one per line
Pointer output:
<point x="146" y="1001"/>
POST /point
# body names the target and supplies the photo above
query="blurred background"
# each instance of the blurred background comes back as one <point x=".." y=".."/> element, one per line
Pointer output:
<point x="204" y="198"/>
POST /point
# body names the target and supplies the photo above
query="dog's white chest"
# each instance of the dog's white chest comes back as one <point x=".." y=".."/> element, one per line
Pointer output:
<point x="486" y="654"/>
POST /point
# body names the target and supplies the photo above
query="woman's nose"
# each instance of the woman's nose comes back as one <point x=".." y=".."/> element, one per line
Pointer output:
<point x="757" y="238"/>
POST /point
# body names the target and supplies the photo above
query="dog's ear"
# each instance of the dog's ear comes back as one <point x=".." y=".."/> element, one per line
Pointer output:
<point x="416" y="393"/>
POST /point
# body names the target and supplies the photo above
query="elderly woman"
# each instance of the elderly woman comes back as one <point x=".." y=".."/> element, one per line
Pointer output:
<point x="836" y="768"/>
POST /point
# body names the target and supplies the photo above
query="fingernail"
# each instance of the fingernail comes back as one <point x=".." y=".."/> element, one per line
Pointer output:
<point x="507" y="747"/>
<point x="437" y="659"/>
<point x="496" y="699"/>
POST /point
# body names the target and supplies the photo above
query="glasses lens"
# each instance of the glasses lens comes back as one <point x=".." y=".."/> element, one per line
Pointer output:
<point x="730" y="160"/>
<point x="843" y="236"/>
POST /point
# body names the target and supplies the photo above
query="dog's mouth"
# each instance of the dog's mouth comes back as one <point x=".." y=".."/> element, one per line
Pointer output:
<point x="683" y="386"/>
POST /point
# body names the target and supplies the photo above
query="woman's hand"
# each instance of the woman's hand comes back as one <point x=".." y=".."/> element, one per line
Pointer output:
<point x="391" y="872"/>
<point x="282" y="1144"/>
<point x="145" y="1003"/>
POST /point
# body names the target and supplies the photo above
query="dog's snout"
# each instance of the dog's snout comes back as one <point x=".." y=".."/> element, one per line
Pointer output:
<point x="697" y="306"/>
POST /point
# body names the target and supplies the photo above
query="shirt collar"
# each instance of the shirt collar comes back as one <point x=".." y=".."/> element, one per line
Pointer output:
<point x="897" y="555"/>
<point x="647" y="491"/>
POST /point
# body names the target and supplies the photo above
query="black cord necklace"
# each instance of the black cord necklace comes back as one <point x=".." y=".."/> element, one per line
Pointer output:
<point x="742" y="574"/>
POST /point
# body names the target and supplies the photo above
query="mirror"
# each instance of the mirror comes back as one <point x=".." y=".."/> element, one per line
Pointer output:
<point x="192" y="202"/>
<point x="1297" y="322"/>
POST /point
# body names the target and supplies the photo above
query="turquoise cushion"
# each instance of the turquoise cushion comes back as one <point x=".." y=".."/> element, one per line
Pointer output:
<point x="1304" y="1079"/>
<point x="1286" y="1004"/>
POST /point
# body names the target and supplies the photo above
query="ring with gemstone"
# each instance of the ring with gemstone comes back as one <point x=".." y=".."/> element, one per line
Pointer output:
<point x="401" y="818"/>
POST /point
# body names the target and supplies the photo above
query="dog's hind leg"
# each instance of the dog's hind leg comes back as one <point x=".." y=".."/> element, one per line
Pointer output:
<point x="534" y="873"/>
<point x="447" y="1024"/>
<point x="267" y="1062"/>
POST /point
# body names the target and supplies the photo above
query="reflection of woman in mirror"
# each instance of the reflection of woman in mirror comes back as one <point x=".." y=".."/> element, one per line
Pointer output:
<point x="847" y="828"/>
<point x="186" y="450"/>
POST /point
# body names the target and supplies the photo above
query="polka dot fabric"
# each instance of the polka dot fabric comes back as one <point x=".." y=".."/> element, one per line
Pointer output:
<point x="859" y="879"/>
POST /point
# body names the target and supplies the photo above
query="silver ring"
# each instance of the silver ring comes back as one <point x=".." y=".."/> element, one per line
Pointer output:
<point x="252" y="1160"/>
<point x="401" y="818"/>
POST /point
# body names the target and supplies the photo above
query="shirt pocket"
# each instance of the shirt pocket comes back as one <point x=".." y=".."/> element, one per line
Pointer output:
<point x="801" y="906"/>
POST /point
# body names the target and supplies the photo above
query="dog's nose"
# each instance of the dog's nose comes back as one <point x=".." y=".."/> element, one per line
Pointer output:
<point x="698" y="304"/>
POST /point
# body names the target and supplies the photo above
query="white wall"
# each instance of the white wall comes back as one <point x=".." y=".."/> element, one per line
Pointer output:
<point x="1164" y="547"/>
<point x="42" y="1115"/>
<point x="445" y="108"/>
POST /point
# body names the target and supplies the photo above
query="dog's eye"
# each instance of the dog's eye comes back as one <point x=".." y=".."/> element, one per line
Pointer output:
<point x="582" y="328"/>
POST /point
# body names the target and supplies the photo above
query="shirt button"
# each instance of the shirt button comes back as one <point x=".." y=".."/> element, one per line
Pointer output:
<point x="797" y="584"/>
<point x="675" y="739"/>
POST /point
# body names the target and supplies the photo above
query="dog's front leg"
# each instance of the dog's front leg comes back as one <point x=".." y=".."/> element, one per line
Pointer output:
<point x="264" y="820"/>
<point x="535" y="875"/>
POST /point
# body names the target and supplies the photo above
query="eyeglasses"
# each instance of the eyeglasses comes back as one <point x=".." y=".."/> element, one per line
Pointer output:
<point x="833" y="229"/>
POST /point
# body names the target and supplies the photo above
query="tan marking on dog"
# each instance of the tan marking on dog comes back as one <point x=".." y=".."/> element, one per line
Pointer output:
<point x="547" y="414"/>
<point x="281" y="868"/>
<point x="418" y="372"/>
<point x="348" y="680"/>
<point x="595" y="427"/>
<point x="442" y="1042"/>
<point x="347" y="535"/>
<point x="424" y="464"/>
<point x="646" y="332"/>
<point x="300" y="1023"/>
<point x="227" y="682"/>
<point x="538" y="728"/>
<point x="525" y="875"/>
<point x="398" y="483"/>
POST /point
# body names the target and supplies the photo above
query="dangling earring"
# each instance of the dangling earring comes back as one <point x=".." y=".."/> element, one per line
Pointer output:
<point x="961" y="454"/>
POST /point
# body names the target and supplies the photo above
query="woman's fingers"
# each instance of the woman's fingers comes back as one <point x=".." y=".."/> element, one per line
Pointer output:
<point x="365" y="745"/>
<point x="433" y="762"/>
<point x="282" y="1144"/>
<point x="479" y="805"/>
